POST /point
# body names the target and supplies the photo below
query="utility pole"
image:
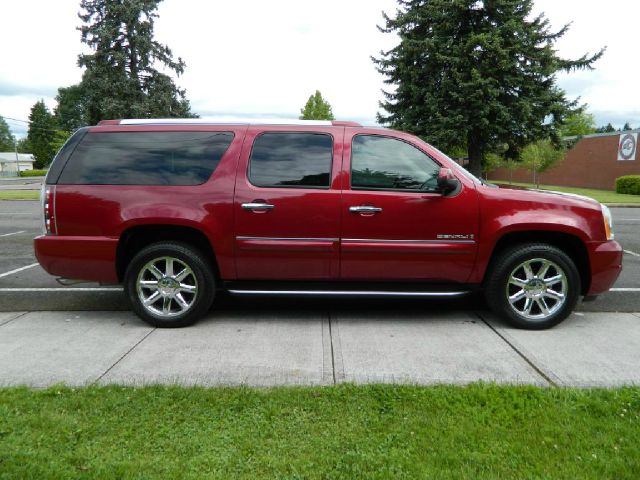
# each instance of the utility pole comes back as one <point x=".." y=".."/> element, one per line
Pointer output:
<point x="15" y="146"/>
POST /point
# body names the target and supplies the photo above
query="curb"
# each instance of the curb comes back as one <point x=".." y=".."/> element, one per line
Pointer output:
<point x="623" y="205"/>
<point x="18" y="179"/>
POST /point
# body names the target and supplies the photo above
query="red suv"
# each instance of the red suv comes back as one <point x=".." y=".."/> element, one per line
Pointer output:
<point x="178" y="209"/>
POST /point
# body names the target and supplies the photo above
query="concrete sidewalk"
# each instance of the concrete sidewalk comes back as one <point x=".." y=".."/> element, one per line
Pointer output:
<point x="289" y="347"/>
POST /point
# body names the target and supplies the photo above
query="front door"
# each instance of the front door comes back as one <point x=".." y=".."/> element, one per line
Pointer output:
<point x="395" y="224"/>
<point x="287" y="204"/>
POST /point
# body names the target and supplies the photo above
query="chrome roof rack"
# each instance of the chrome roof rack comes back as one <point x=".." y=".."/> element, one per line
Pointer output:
<point x="227" y="121"/>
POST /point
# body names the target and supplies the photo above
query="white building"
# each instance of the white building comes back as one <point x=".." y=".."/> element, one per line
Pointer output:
<point x="9" y="165"/>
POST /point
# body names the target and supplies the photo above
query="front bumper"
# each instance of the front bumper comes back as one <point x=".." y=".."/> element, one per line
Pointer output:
<point x="82" y="258"/>
<point x="605" y="260"/>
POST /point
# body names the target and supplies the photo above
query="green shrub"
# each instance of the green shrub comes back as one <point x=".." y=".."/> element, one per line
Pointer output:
<point x="33" y="173"/>
<point x="629" y="184"/>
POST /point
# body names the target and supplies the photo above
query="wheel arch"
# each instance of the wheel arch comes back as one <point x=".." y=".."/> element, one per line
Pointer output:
<point x="135" y="238"/>
<point x="570" y="244"/>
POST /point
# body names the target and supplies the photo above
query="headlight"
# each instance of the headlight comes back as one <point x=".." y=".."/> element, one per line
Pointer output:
<point x="608" y="222"/>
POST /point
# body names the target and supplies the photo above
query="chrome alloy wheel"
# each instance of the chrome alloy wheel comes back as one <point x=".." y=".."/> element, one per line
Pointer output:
<point x="167" y="287"/>
<point x="537" y="289"/>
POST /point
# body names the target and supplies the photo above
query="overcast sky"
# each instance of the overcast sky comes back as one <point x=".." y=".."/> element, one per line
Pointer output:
<point x="264" y="58"/>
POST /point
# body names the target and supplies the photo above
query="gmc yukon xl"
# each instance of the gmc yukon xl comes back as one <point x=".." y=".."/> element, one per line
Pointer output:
<point x="177" y="209"/>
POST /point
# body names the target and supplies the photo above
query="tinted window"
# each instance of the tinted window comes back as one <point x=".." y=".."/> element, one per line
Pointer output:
<point x="300" y="160"/>
<point x="390" y="164"/>
<point x="146" y="158"/>
<point x="60" y="160"/>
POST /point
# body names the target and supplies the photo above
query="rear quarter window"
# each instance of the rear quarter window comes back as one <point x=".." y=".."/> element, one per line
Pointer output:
<point x="145" y="158"/>
<point x="293" y="160"/>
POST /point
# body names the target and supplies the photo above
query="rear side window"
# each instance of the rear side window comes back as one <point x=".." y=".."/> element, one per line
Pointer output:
<point x="297" y="160"/>
<point x="146" y="158"/>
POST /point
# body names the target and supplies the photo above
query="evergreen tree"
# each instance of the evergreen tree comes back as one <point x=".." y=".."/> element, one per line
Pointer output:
<point x="608" y="128"/>
<point x="627" y="126"/>
<point x="121" y="79"/>
<point x="316" y="108"/>
<point x="41" y="135"/>
<point x="475" y="73"/>
<point x="7" y="140"/>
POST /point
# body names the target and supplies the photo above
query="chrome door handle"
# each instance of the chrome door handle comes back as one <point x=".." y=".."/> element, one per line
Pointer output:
<point x="258" y="206"/>
<point x="364" y="209"/>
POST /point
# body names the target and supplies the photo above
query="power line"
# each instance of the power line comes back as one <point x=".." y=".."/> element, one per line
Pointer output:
<point x="36" y="127"/>
<point x="15" y="119"/>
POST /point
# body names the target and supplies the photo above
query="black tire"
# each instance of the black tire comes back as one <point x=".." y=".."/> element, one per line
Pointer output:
<point x="500" y="286"/>
<point x="193" y="304"/>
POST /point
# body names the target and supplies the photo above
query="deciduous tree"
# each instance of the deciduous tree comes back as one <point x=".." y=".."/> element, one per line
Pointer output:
<point x="540" y="156"/>
<point x="578" y="123"/>
<point x="7" y="140"/>
<point x="72" y="108"/>
<point x="23" y="145"/>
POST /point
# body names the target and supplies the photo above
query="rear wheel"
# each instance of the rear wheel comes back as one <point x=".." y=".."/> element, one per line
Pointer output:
<point x="533" y="286"/>
<point x="169" y="284"/>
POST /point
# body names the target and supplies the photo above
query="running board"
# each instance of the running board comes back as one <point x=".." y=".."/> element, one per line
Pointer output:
<point x="348" y="293"/>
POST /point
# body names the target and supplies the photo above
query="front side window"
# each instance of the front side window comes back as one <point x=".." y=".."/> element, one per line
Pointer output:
<point x="296" y="160"/>
<point x="145" y="158"/>
<point x="385" y="163"/>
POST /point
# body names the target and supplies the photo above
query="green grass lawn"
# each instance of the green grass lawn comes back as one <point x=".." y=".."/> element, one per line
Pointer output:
<point x="19" y="195"/>
<point x="603" y="196"/>
<point x="343" y="432"/>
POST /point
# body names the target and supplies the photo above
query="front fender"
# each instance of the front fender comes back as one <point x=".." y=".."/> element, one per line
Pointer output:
<point x="532" y="220"/>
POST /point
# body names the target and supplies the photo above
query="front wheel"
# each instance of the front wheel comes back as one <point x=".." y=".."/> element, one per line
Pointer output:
<point x="169" y="284"/>
<point x="533" y="286"/>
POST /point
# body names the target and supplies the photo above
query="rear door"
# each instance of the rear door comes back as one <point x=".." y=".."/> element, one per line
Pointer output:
<point x="395" y="225"/>
<point x="287" y="203"/>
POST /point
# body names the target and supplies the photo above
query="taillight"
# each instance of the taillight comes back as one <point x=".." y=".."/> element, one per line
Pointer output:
<point x="48" y="210"/>
<point x="608" y="222"/>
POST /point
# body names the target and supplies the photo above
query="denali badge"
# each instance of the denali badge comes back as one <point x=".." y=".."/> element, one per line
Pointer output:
<point x="455" y="236"/>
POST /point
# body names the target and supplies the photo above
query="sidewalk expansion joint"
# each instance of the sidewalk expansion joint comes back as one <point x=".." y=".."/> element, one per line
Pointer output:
<point x="333" y="359"/>
<point x="336" y="350"/>
<point x="122" y="357"/>
<point x="7" y="322"/>
<point x="538" y="370"/>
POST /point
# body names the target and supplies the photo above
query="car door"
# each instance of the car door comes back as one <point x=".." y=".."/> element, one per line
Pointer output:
<point x="287" y="203"/>
<point x="395" y="224"/>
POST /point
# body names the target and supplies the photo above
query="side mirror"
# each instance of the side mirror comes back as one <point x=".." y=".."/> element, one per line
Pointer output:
<point x="447" y="182"/>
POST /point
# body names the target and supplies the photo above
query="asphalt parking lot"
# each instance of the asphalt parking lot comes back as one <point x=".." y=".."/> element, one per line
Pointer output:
<point x="84" y="333"/>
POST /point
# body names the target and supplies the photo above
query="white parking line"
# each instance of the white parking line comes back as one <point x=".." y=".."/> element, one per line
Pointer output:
<point x="11" y="272"/>
<point x="624" y="289"/>
<point x="634" y="254"/>
<point x="12" y="233"/>
<point x="64" y="289"/>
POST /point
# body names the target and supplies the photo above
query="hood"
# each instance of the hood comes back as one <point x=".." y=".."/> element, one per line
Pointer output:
<point x="539" y="195"/>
